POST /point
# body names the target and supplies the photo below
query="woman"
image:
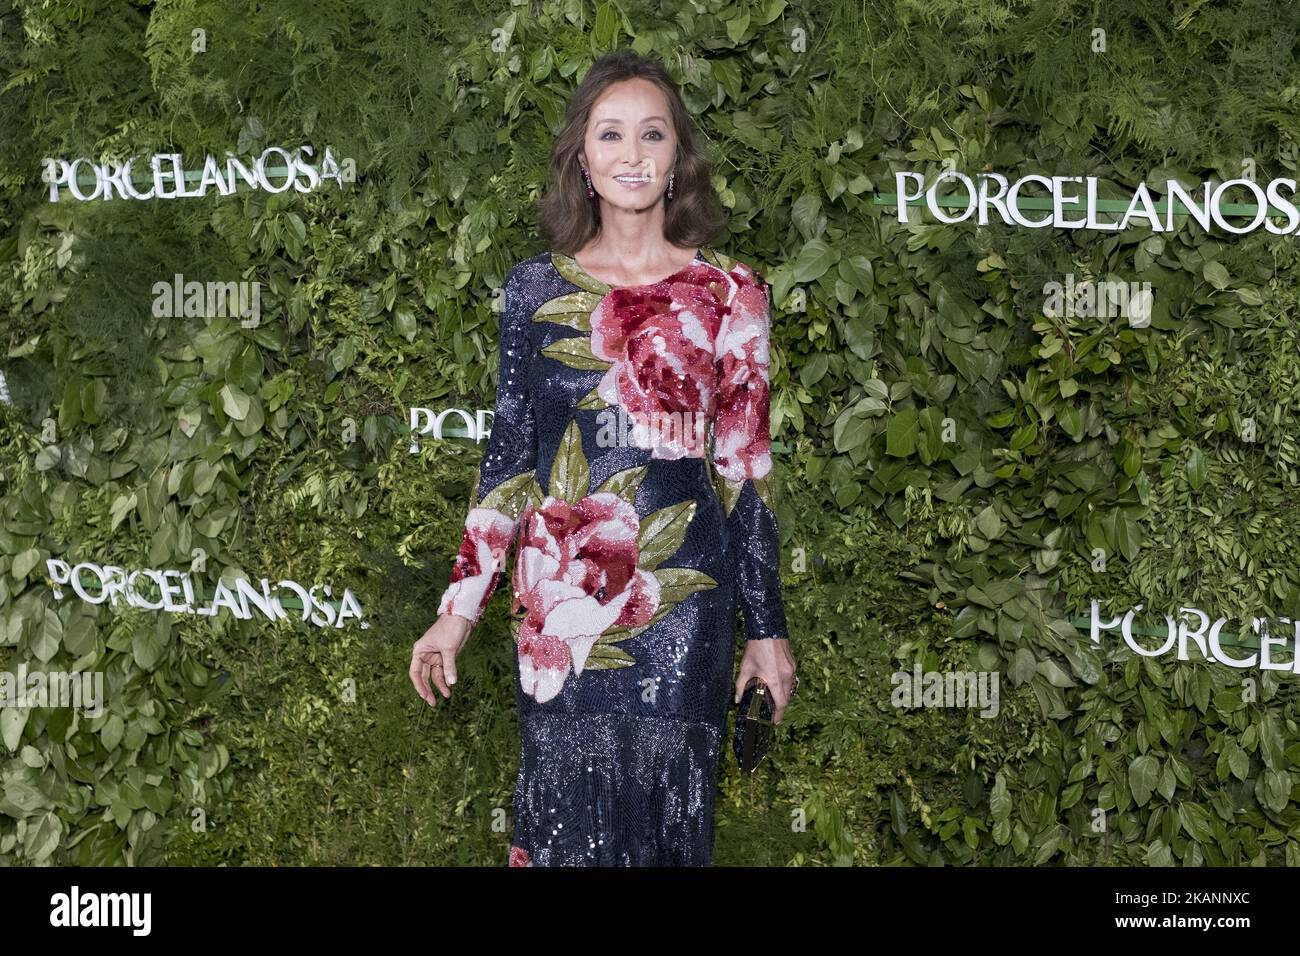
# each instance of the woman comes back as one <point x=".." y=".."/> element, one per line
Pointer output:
<point x="624" y="350"/>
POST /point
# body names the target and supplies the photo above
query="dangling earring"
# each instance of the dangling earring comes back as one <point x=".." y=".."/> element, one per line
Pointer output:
<point x="590" y="192"/>
<point x="670" y="184"/>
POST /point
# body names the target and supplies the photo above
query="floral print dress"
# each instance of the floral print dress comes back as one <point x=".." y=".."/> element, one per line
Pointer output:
<point x="628" y="477"/>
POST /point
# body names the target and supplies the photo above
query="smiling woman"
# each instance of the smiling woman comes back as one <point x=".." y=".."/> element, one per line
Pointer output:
<point x="633" y="556"/>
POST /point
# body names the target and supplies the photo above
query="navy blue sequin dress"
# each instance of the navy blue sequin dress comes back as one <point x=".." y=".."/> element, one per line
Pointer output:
<point x="628" y="477"/>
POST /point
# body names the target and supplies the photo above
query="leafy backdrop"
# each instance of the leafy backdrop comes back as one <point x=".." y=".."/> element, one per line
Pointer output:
<point x="253" y="742"/>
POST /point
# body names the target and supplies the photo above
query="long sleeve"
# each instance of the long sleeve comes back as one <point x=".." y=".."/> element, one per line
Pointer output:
<point x="506" y="473"/>
<point x="742" y="453"/>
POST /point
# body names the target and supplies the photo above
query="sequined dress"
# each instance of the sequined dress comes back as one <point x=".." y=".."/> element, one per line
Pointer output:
<point x="628" y="477"/>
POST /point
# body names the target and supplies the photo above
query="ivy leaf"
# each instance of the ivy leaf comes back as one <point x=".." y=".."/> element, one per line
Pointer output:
<point x="1024" y="436"/>
<point x="1238" y="761"/>
<point x="147" y="644"/>
<point x="1071" y="422"/>
<point x="1130" y="457"/>
<point x="110" y="735"/>
<point x="1277" y="790"/>
<point x="999" y="799"/>
<point x="50" y="636"/>
<point x="405" y="325"/>
<point x="43" y="837"/>
<point x="1142" y="775"/>
<point x="737" y="26"/>
<point x="254" y="420"/>
<point x="727" y="74"/>
<point x="23" y="563"/>
<point x="857" y="272"/>
<point x="12" y="722"/>
<point x="850" y="431"/>
<point x="813" y="370"/>
<point x="123" y="505"/>
<point x="1196" y="469"/>
<point x="1271" y="747"/>
<point x="1049" y="843"/>
<point x="1196" y="821"/>
<point x="250" y="135"/>
<point x="1216" y="275"/>
<point x="602" y="37"/>
<point x="1121" y="532"/>
<point x="1168" y="782"/>
<point x="1055" y="674"/>
<point x="989" y="523"/>
<point x="1158" y="854"/>
<point x="900" y="436"/>
<point x="859" y="337"/>
<point x="1023" y="665"/>
<point x="813" y="260"/>
<point x="234" y="402"/>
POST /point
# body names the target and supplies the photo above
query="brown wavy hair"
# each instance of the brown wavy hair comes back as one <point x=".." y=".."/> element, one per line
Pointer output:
<point x="569" y="219"/>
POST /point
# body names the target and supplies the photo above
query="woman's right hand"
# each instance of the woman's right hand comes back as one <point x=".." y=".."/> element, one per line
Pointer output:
<point x="434" y="656"/>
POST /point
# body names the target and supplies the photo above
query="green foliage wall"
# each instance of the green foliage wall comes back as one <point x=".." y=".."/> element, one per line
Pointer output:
<point x="228" y="741"/>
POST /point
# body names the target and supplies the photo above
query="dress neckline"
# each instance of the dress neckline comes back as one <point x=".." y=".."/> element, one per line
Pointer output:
<point x="573" y="262"/>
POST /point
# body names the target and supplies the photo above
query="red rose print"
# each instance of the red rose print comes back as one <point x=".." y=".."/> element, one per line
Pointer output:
<point x="660" y="339"/>
<point x="482" y="553"/>
<point x="742" y="442"/>
<point x="693" y="346"/>
<point x="576" y="576"/>
<point x="519" y="857"/>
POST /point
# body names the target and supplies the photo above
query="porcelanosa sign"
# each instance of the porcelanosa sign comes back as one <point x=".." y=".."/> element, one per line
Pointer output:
<point x="176" y="593"/>
<point x="1206" y="637"/>
<point x="1141" y="206"/>
<point x="169" y="182"/>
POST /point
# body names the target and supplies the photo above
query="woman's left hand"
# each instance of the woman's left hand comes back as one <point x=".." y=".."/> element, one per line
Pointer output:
<point x="769" y="659"/>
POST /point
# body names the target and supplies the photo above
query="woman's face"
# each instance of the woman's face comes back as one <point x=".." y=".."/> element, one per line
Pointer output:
<point x="630" y="144"/>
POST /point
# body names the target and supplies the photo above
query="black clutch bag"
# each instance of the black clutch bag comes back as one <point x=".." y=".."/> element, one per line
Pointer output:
<point x="753" y="725"/>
